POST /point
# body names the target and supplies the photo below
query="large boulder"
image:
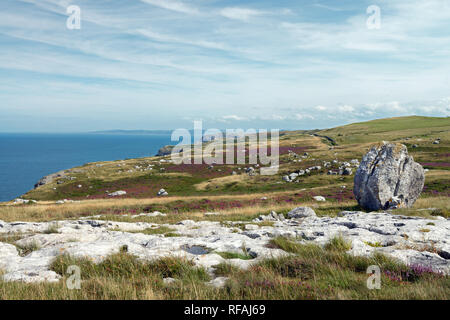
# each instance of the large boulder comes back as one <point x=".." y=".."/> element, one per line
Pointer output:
<point x="388" y="178"/>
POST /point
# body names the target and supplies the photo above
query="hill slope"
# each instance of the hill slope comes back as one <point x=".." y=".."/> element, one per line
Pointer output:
<point x="388" y="129"/>
<point x="142" y="178"/>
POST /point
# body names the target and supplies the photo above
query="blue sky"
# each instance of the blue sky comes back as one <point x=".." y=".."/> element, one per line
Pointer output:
<point x="160" y="64"/>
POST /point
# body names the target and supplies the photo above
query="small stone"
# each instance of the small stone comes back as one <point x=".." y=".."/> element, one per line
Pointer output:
<point x="251" y="227"/>
<point x="169" y="280"/>
<point x="218" y="282"/>
<point x="162" y="193"/>
<point x="117" y="193"/>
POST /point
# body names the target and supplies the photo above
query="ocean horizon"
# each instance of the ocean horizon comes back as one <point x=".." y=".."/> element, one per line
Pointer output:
<point x="27" y="157"/>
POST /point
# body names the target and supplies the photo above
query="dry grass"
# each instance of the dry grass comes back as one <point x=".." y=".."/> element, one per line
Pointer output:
<point x="241" y="179"/>
<point x="49" y="212"/>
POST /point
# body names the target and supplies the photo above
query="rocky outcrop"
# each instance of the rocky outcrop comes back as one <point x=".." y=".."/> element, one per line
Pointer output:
<point x="48" y="179"/>
<point x="165" y="151"/>
<point x="388" y="178"/>
<point x="413" y="240"/>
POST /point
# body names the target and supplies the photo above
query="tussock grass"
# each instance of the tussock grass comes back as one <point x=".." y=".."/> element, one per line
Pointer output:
<point x="27" y="248"/>
<point x="310" y="272"/>
<point x="338" y="243"/>
<point x="285" y="244"/>
<point x="11" y="238"/>
<point x="124" y="265"/>
<point x="234" y="255"/>
<point x="53" y="228"/>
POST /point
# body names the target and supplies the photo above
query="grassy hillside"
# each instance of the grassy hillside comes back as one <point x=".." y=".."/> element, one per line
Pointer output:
<point x="142" y="178"/>
<point x="388" y="129"/>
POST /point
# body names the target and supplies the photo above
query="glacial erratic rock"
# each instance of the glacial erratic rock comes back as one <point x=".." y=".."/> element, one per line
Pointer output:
<point x="388" y="178"/>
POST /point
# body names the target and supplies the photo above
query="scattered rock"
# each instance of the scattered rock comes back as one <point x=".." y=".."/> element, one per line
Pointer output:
<point x="162" y="192"/>
<point x="117" y="193"/>
<point x="319" y="198"/>
<point x="273" y="216"/>
<point x="347" y="171"/>
<point x="50" y="178"/>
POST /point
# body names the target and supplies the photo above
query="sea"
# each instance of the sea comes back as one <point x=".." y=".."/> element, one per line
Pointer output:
<point x="27" y="157"/>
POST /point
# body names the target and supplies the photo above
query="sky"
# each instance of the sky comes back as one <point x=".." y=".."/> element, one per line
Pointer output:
<point x="161" y="64"/>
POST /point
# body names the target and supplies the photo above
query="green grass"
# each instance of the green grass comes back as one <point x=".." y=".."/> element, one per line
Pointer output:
<point x="234" y="255"/>
<point x="160" y="230"/>
<point x="338" y="243"/>
<point x="373" y="244"/>
<point x="387" y="129"/>
<point x="285" y="244"/>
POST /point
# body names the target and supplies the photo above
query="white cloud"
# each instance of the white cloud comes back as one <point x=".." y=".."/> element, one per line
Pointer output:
<point x="323" y="6"/>
<point x="345" y="108"/>
<point x="303" y="116"/>
<point x="166" y="62"/>
<point x="231" y="117"/>
<point x="243" y="14"/>
<point x="167" y="38"/>
<point x="172" y="5"/>
<point x="273" y="117"/>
